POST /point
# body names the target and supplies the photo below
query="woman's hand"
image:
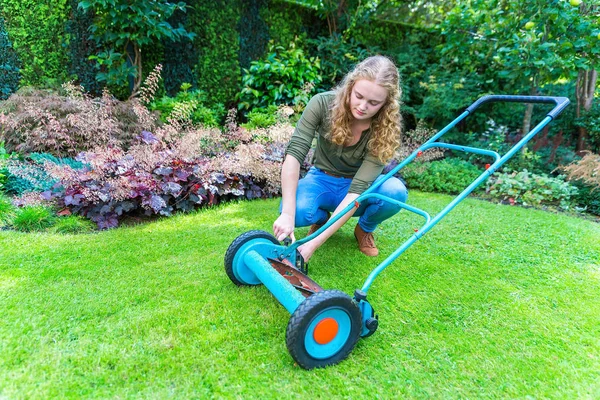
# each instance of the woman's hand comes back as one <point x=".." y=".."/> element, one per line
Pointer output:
<point x="284" y="227"/>
<point x="307" y="250"/>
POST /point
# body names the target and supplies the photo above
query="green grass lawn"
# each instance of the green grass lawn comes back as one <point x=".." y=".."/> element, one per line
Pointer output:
<point x="496" y="301"/>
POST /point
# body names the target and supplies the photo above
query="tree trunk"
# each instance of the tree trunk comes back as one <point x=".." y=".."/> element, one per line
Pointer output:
<point x="586" y="85"/>
<point x="137" y="63"/>
<point x="526" y="127"/>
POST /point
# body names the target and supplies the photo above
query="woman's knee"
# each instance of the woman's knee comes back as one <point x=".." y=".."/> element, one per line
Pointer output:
<point x="395" y="189"/>
<point x="305" y="211"/>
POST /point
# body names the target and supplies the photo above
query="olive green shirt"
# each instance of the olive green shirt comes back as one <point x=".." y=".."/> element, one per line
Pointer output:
<point x="348" y="161"/>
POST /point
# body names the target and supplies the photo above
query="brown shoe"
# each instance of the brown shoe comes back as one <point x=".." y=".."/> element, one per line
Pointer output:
<point x="366" y="242"/>
<point x="316" y="227"/>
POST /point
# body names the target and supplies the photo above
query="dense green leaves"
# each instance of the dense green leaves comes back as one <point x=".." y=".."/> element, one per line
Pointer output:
<point x="285" y="76"/>
<point x="124" y="27"/>
<point x="37" y="32"/>
<point x="217" y="67"/>
<point x="529" y="43"/>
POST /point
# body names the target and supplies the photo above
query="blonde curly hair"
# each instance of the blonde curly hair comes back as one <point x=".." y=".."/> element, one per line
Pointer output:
<point x="386" y="124"/>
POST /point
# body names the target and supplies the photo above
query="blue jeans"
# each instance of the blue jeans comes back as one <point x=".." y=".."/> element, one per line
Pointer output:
<point x="319" y="193"/>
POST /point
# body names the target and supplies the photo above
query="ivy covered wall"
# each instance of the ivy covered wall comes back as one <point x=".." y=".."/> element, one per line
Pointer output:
<point x="10" y="65"/>
<point x="37" y="30"/>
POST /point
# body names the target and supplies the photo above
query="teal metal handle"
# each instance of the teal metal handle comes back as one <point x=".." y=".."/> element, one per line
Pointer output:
<point x="561" y="102"/>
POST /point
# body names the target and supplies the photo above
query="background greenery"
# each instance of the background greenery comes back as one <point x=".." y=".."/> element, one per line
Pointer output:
<point x="449" y="52"/>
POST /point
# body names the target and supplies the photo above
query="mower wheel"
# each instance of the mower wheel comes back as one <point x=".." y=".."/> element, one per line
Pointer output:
<point x="234" y="265"/>
<point x="324" y="329"/>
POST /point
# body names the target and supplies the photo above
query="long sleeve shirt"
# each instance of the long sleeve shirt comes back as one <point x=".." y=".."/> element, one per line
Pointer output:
<point x="348" y="161"/>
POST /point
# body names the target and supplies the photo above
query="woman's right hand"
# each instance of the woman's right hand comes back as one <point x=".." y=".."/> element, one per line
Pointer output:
<point x="284" y="227"/>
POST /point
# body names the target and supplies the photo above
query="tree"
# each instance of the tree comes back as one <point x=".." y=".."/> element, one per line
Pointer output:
<point x="123" y="27"/>
<point x="526" y="44"/>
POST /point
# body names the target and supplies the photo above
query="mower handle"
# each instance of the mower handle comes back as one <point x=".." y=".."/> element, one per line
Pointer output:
<point x="561" y="102"/>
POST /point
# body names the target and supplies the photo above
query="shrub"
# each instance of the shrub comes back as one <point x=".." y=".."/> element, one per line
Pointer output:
<point x="451" y="175"/>
<point x="158" y="177"/>
<point x="445" y="94"/>
<point x="254" y="32"/>
<point x="4" y="156"/>
<point x="587" y="198"/>
<point x="192" y="105"/>
<point x="414" y="138"/>
<point x="33" y="218"/>
<point x="500" y="138"/>
<point x="261" y="118"/>
<point x="590" y="120"/>
<point x="81" y="47"/>
<point x="28" y="174"/>
<point x="72" y="224"/>
<point x="587" y="170"/>
<point x="64" y="125"/>
<point x="286" y="76"/>
<point x="530" y="189"/>
<point x="585" y="175"/>
<point x="24" y="176"/>
<point x="7" y="211"/>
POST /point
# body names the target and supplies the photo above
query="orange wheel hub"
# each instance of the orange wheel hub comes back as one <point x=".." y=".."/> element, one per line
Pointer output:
<point x="325" y="330"/>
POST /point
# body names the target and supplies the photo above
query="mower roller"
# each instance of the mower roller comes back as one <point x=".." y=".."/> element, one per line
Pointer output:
<point x="325" y="325"/>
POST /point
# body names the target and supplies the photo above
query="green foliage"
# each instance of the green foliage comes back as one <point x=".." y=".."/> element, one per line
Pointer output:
<point x="194" y="102"/>
<point x="261" y="118"/>
<point x="124" y="27"/>
<point x="217" y="40"/>
<point x="444" y="94"/>
<point x="530" y="189"/>
<point x="499" y="138"/>
<point x="338" y="55"/>
<point x="588" y="196"/>
<point x="33" y="218"/>
<point x="4" y="156"/>
<point x="450" y="175"/>
<point x="591" y="121"/>
<point x="9" y="65"/>
<point x="288" y="22"/>
<point x="527" y="43"/>
<point x="37" y="31"/>
<point x="72" y="224"/>
<point x="286" y="76"/>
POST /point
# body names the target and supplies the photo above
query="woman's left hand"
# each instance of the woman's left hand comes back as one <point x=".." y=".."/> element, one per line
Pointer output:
<point x="307" y="250"/>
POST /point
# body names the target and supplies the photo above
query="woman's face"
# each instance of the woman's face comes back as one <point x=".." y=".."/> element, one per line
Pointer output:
<point x="366" y="99"/>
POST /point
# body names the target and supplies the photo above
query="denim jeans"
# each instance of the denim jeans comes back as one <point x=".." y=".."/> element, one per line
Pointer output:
<point x="318" y="193"/>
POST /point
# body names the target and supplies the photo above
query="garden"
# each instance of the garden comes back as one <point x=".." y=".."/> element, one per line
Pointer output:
<point x="138" y="139"/>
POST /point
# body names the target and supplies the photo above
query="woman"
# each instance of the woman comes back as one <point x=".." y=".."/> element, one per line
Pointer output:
<point x="357" y="127"/>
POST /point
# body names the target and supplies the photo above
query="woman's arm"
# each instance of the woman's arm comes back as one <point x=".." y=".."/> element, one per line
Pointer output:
<point x="308" y="248"/>
<point x="290" y="174"/>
